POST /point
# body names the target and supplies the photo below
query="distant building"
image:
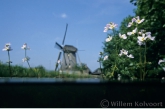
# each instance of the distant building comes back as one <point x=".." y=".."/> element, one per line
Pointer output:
<point x="96" y="72"/>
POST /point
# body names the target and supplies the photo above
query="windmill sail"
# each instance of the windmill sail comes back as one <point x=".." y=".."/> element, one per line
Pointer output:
<point x="65" y="34"/>
<point x="57" y="45"/>
<point x="58" y="61"/>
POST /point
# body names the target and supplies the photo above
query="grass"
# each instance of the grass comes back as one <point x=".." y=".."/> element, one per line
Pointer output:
<point x="39" y="71"/>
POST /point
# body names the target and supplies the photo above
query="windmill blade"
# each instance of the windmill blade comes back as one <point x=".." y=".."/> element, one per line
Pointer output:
<point x="57" y="45"/>
<point x="65" y="34"/>
<point x="57" y="61"/>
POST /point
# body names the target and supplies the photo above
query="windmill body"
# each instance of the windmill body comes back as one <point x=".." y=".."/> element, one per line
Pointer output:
<point x="69" y="60"/>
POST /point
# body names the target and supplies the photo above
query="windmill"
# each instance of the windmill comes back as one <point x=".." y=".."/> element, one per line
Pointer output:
<point x="69" y="55"/>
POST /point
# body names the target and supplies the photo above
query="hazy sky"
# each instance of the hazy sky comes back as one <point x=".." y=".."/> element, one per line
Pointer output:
<point x="41" y="23"/>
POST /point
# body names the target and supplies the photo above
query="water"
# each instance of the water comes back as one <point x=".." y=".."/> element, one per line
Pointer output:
<point x="49" y="80"/>
<point x="63" y="80"/>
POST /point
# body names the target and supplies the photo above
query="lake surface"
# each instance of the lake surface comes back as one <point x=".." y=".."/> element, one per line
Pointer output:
<point x="49" y="80"/>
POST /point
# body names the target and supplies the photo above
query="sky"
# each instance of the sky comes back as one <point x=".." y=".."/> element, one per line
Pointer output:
<point x="41" y="23"/>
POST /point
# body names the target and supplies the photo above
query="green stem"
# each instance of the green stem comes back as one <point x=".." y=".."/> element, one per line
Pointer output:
<point x="140" y="59"/>
<point x="27" y="60"/>
<point x="145" y="52"/>
<point x="115" y="51"/>
<point x="28" y="64"/>
<point x="9" y="64"/>
<point x="100" y="64"/>
<point x="140" y="62"/>
<point x="100" y="67"/>
<point x="25" y="52"/>
<point x="145" y="60"/>
<point x="101" y="70"/>
<point x="113" y="31"/>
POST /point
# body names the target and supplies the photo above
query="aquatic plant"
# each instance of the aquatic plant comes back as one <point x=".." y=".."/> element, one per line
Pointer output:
<point x="26" y="58"/>
<point x="8" y="49"/>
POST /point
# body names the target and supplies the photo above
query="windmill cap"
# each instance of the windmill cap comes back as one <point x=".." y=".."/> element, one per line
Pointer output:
<point x="70" y="48"/>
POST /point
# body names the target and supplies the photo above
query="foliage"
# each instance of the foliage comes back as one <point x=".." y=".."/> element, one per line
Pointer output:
<point x="80" y="67"/>
<point x="123" y="26"/>
<point x="153" y="12"/>
<point x="127" y="54"/>
<point x="146" y="56"/>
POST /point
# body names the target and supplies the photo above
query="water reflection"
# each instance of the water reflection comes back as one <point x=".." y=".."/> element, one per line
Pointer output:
<point x="49" y="80"/>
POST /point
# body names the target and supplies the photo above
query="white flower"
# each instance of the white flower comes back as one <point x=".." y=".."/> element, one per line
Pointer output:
<point x="130" y="56"/>
<point x="7" y="47"/>
<point x="133" y="32"/>
<point x="106" y="28"/>
<point x="140" y="43"/>
<point x="109" y="39"/>
<point x="25" y="47"/>
<point x="148" y="33"/>
<point x="129" y="24"/>
<point x="110" y="26"/>
<point x="151" y="38"/>
<point x="129" y="33"/>
<point x="160" y="61"/>
<point x="26" y="59"/>
<point x="140" y="33"/>
<point x="138" y="21"/>
<point x="120" y="54"/>
<point x="142" y="38"/>
<point x="105" y="58"/>
<point x="133" y="20"/>
<point x="125" y="52"/>
<point x="122" y="36"/>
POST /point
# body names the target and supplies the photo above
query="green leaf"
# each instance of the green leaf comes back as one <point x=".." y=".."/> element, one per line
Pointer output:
<point x="152" y="23"/>
<point x="131" y="64"/>
<point x="164" y="25"/>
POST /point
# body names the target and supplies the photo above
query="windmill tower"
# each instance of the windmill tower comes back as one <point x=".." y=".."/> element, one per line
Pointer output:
<point x="69" y="55"/>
